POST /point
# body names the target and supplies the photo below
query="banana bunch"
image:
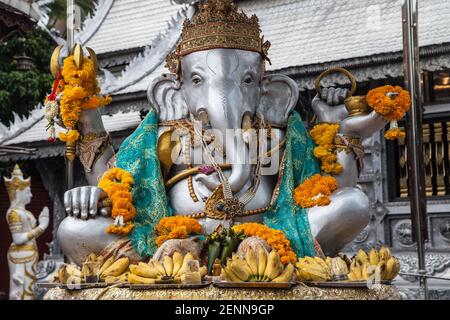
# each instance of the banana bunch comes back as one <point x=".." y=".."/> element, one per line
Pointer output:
<point x="171" y="269"/>
<point x="69" y="274"/>
<point x="316" y="269"/>
<point x="114" y="270"/>
<point x="380" y="265"/>
<point x="257" y="268"/>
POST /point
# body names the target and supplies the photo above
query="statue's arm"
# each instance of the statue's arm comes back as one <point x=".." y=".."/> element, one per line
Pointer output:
<point x="19" y="236"/>
<point x="97" y="150"/>
<point x="363" y="126"/>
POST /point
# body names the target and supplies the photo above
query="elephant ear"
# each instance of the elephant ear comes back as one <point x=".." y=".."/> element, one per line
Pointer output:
<point x="278" y="97"/>
<point x="165" y="96"/>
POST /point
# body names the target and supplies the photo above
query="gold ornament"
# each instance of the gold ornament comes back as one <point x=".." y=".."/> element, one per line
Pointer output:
<point x="16" y="182"/>
<point x="219" y="24"/>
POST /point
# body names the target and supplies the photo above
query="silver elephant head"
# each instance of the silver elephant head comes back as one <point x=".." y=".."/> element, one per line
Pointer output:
<point x="226" y="85"/>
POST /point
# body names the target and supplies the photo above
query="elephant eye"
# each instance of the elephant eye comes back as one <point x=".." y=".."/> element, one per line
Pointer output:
<point x="196" y="80"/>
<point x="248" y="79"/>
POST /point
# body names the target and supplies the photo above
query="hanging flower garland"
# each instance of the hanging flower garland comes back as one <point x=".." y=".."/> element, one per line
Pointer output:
<point x="117" y="184"/>
<point x="177" y="227"/>
<point x="315" y="191"/>
<point x="391" y="103"/>
<point x="323" y="135"/>
<point x="79" y="91"/>
<point x="275" y="238"/>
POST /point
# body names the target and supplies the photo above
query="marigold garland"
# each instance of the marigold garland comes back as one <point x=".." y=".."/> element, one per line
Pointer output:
<point x="275" y="238"/>
<point x="323" y="135"/>
<point x="80" y="90"/>
<point x="177" y="227"/>
<point x="391" y="109"/>
<point x="395" y="133"/>
<point x="315" y="191"/>
<point x="117" y="184"/>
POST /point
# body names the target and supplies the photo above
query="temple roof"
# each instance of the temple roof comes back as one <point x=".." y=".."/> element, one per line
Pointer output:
<point x="130" y="24"/>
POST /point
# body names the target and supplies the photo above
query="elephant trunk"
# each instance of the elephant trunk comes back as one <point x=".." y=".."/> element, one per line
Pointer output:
<point x="229" y="121"/>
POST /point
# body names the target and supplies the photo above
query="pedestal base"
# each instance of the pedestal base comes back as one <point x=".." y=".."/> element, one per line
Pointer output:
<point x="299" y="292"/>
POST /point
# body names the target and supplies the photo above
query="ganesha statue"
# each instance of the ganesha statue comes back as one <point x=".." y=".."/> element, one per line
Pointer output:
<point x="23" y="254"/>
<point x="223" y="144"/>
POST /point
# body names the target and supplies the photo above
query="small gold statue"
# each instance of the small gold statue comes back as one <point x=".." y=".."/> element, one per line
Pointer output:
<point x="23" y="253"/>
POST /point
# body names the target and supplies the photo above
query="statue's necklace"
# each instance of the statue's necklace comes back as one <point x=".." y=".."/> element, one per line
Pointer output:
<point x="230" y="205"/>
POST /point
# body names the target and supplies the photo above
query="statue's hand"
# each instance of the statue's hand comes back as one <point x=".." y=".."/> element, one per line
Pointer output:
<point x="334" y="96"/>
<point x="83" y="202"/>
<point x="328" y="106"/>
<point x="44" y="218"/>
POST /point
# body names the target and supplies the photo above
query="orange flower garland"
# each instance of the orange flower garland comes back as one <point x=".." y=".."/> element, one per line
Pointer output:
<point x="177" y="227"/>
<point x="323" y="136"/>
<point x="117" y="184"/>
<point x="80" y="92"/>
<point x="391" y="109"/>
<point x="315" y="191"/>
<point x="394" y="133"/>
<point x="275" y="238"/>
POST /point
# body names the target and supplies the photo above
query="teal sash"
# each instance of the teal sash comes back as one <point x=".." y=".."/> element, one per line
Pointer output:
<point x="138" y="155"/>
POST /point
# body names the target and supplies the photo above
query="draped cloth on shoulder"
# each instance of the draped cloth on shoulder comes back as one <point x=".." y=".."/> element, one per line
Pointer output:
<point x="138" y="155"/>
<point x="299" y="164"/>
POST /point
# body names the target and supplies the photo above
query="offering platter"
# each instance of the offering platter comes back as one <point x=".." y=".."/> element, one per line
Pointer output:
<point x="297" y="292"/>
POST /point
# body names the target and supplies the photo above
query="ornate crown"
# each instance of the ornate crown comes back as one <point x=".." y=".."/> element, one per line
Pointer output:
<point x="16" y="182"/>
<point x="218" y="25"/>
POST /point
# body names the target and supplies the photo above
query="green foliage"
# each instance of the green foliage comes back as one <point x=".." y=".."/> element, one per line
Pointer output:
<point x="58" y="8"/>
<point x="21" y="91"/>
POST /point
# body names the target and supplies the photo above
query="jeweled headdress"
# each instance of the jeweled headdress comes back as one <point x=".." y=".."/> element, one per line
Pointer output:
<point x="218" y="25"/>
<point x="16" y="182"/>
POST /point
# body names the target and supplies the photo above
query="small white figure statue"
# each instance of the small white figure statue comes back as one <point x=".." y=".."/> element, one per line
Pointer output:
<point x="23" y="253"/>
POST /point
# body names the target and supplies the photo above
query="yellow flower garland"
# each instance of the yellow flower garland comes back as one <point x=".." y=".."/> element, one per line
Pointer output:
<point x="315" y="191"/>
<point x="177" y="227"/>
<point x="117" y="184"/>
<point x="390" y="109"/>
<point x="395" y="133"/>
<point x="80" y="92"/>
<point x="275" y="238"/>
<point x="323" y="135"/>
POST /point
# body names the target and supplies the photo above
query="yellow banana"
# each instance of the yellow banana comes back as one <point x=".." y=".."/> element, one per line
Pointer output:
<point x="203" y="271"/>
<point x="321" y="262"/>
<point x="135" y="279"/>
<point x="168" y="265"/>
<point x="286" y="275"/>
<point x="241" y="269"/>
<point x="188" y="257"/>
<point x="385" y="253"/>
<point x="362" y="257"/>
<point x="159" y="266"/>
<point x="374" y="258"/>
<point x="356" y="271"/>
<point x="73" y="270"/>
<point x="273" y="268"/>
<point x="262" y="262"/>
<point x="91" y="258"/>
<point x="100" y="260"/>
<point x="117" y="268"/>
<point x="106" y="265"/>
<point x="380" y="270"/>
<point x="250" y="257"/>
<point x="177" y="262"/>
<point x="230" y="276"/>
<point x="328" y="262"/>
<point x="144" y="270"/>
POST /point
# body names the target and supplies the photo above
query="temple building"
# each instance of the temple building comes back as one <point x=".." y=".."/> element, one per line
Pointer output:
<point x="133" y="37"/>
